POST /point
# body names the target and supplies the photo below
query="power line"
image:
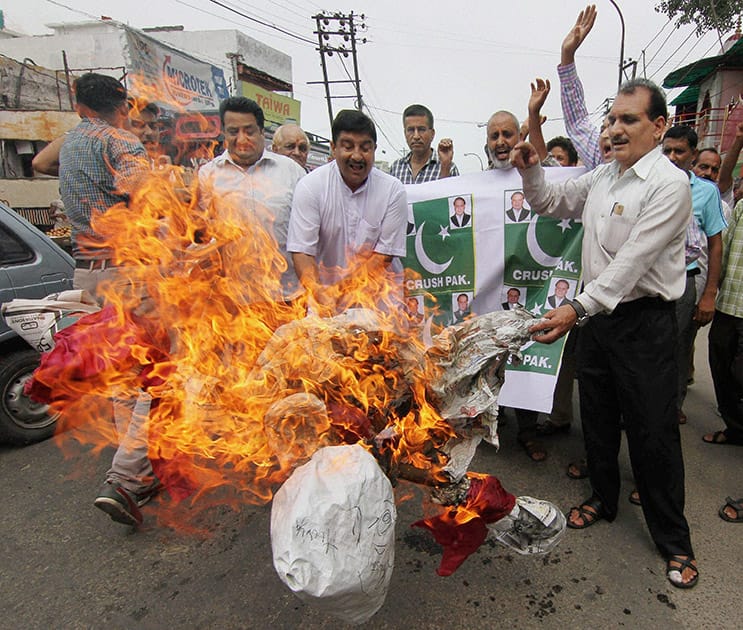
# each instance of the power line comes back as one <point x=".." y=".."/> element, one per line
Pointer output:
<point x="301" y="7"/>
<point x="662" y="28"/>
<point x="262" y="23"/>
<point x="264" y="13"/>
<point x="657" y="52"/>
<point x="368" y="108"/>
<point x="672" y="54"/>
<point x="680" y="61"/>
<point x="64" y="6"/>
<point x="687" y="54"/>
<point x="226" y="19"/>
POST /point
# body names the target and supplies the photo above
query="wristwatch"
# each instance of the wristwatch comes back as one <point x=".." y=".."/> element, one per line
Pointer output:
<point x="580" y="312"/>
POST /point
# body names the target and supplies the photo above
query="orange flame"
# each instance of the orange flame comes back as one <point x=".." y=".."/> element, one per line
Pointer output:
<point x="247" y="387"/>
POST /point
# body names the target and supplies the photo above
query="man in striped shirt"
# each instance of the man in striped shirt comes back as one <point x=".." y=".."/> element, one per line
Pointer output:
<point x="422" y="163"/>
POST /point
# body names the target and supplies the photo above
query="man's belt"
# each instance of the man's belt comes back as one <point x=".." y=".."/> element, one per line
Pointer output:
<point x="94" y="264"/>
<point x="693" y="272"/>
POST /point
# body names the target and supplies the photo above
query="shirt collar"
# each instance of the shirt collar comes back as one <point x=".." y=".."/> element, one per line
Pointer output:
<point x="224" y="158"/>
<point x="642" y="167"/>
<point x="433" y="159"/>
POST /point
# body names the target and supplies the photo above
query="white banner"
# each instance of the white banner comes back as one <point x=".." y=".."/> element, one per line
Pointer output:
<point x="169" y="77"/>
<point x="472" y="244"/>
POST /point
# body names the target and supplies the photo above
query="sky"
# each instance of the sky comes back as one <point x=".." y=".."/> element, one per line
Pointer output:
<point x="463" y="60"/>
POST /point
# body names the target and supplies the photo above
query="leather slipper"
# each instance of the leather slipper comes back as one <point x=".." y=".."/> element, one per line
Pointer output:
<point x="673" y="573"/>
<point x="589" y="512"/>
<point x="720" y="437"/>
<point x="737" y="506"/>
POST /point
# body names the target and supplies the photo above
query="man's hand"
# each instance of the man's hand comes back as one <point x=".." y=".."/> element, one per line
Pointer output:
<point x="539" y="92"/>
<point x="524" y="155"/>
<point x="577" y="34"/>
<point x="705" y="310"/>
<point x="560" y="321"/>
<point x="725" y="179"/>
<point x="524" y="128"/>
<point x="446" y="151"/>
<point x="446" y="155"/>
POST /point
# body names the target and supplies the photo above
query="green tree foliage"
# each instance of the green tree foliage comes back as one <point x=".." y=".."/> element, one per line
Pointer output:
<point x="708" y="15"/>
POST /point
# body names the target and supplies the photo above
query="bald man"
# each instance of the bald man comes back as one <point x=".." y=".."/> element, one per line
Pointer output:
<point x="290" y="140"/>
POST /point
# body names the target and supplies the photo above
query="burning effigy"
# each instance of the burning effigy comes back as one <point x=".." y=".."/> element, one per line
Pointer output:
<point x="251" y="393"/>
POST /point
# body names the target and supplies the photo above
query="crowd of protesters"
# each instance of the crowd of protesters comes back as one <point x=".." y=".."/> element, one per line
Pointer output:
<point x="631" y="326"/>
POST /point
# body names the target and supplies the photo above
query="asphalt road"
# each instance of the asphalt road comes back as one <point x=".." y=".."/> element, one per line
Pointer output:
<point x="66" y="565"/>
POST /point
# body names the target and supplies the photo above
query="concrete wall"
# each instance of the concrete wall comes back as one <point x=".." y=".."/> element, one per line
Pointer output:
<point x="85" y="47"/>
<point x="214" y="45"/>
<point x="35" y="125"/>
<point x="37" y="192"/>
<point x="99" y="45"/>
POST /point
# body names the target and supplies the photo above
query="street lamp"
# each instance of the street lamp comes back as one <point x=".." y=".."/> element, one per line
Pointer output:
<point x="621" y="47"/>
<point x="482" y="166"/>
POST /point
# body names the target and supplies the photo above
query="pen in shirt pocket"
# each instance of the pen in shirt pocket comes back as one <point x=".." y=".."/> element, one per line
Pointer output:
<point x="617" y="209"/>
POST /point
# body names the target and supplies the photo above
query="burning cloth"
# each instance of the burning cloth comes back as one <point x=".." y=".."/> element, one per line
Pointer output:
<point x="246" y="390"/>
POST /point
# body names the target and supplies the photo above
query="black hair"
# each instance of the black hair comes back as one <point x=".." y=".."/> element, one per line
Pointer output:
<point x="242" y="105"/>
<point x="418" y="110"/>
<point x="657" y="106"/>
<point x="141" y="105"/>
<point x="354" y="121"/>
<point x="566" y="144"/>
<point x="99" y="92"/>
<point x="683" y="132"/>
<point x="710" y="149"/>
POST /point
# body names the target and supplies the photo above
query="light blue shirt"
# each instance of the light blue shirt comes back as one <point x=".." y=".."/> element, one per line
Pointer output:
<point x="707" y="207"/>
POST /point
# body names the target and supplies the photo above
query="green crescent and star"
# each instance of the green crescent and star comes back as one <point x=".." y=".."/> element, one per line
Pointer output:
<point x="440" y="262"/>
<point x="538" y="252"/>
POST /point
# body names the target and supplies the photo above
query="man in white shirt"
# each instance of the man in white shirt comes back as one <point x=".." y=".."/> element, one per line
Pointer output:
<point x="252" y="188"/>
<point x="346" y="213"/>
<point x="635" y="211"/>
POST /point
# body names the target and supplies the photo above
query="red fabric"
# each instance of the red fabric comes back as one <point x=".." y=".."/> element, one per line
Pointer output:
<point x="462" y="529"/>
<point x="350" y="423"/>
<point x="93" y="352"/>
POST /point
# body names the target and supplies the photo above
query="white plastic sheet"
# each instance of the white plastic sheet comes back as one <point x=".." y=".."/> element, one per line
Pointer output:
<point x="333" y="532"/>
<point x="37" y="321"/>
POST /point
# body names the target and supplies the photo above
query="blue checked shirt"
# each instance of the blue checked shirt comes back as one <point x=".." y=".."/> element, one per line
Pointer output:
<point x="98" y="165"/>
<point x="429" y="173"/>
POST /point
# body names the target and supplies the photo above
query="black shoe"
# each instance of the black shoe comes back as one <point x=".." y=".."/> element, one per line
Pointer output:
<point x="123" y="505"/>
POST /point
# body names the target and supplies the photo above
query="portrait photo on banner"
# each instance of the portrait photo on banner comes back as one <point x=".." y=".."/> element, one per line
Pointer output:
<point x="516" y="208"/>
<point x="460" y="212"/>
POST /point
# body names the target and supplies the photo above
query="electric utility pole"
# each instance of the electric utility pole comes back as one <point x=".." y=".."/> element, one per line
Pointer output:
<point x="336" y="34"/>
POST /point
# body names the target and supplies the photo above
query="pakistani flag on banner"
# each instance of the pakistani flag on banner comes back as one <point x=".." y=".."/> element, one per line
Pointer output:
<point x="542" y="261"/>
<point x="441" y="257"/>
<point x="472" y="243"/>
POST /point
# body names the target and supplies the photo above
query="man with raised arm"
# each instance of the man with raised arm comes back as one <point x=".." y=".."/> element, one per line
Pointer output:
<point x="591" y="143"/>
<point x="635" y="212"/>
<point x="422" y="163"/>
